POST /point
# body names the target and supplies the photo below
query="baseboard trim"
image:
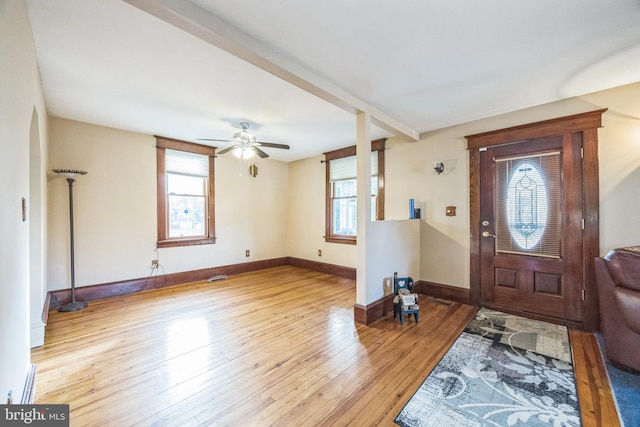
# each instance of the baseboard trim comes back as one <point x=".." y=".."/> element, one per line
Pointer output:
<point x="448" y="292"/>
<point x="374" y="311"/>
<point x="365" y="315"/>
<point x="336" y="270"/>
<point x="107" y="290"/>
<point x="46" y="308"/>
<point x="29" y="392"/>
<point x="61" y="297"/>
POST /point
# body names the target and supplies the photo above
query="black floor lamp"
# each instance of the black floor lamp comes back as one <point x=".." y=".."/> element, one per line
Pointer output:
<point x="74" y="305"/>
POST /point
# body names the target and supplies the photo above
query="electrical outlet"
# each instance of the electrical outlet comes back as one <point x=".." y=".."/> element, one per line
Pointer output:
<point x="247" y="253"/>
<point x="319" y="252"/>
<point x="154" y="264"/>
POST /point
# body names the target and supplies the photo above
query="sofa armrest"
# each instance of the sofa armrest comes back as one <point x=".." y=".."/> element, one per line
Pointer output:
<point x="624" y="266"/>
<point x="604" y="281"/>
<point x="628" y="302"/>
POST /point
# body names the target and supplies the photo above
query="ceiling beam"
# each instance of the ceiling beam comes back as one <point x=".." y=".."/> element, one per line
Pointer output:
<point x="200" y="23"/>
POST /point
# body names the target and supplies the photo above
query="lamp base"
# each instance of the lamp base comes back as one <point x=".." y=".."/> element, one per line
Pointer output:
<point x="73" y="306"/>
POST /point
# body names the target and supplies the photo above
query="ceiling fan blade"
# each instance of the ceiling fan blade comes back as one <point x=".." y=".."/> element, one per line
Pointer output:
<point x="226" y="150"/>
<point x="259" y="152"/>
<point x="273" y="145"/>
<point x="211" y="139"/>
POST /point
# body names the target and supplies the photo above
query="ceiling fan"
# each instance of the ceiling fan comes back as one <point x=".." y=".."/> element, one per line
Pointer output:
<point x="245" y="144"/>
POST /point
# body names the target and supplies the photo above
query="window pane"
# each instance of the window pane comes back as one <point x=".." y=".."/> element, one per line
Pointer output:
<point x="345" y="206"/>
<point x="345" y="220"/>
<point x="529" y="205"/>
<point x="345" y="188"/>
<point x="181" y="184"/>
<point x="526" y="206"/>
<point x="374" y="209"/>
<point x="187" y="215"/>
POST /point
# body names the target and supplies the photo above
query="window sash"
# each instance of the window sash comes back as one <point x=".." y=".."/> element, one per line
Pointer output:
<point x="187" y="216"/>
<point x="186" y="184"/>
<point x="186" y="206"/>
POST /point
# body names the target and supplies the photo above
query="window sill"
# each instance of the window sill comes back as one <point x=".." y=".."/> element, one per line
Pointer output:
<point x="345" y="240"/>
<point x="186" y="242"/>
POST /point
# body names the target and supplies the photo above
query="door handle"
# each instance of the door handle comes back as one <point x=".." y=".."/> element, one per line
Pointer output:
<point x="487" y="234"/>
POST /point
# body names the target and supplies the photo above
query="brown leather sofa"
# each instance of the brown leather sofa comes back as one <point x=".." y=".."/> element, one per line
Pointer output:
<point x="618" y="282"/>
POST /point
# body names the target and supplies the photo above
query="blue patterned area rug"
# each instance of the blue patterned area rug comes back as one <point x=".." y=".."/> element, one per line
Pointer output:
<point x="503" y="370"/>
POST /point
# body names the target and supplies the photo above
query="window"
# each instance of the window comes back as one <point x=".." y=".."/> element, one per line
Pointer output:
<point x="185" y="193"/>
<point x="528" y="219"/>
<point x="341" y="203"/>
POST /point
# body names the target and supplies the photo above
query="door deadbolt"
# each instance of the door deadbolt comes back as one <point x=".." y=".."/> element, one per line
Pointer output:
<point x="485" y="223"/>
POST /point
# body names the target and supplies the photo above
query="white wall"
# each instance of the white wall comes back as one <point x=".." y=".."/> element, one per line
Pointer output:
<point x="114" y="204"/>
<point x="392" y="246"/>
<point x="409" y="174"/>
<point x="20" y="96"/>
<point x="115" y="209"/>
<point x="619" y="166"/>
<point x="306" y="216"/>
<point x="37" y="225"/>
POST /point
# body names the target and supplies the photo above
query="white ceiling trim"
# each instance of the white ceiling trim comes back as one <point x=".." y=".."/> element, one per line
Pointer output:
<point x="202" y="24"/>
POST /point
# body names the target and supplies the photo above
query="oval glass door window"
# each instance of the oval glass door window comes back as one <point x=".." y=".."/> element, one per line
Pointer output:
<point x="527" y="205"/>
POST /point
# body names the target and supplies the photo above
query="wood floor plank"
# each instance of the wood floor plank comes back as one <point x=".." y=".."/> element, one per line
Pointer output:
<point x="274" y="347"/>
<point x="597" y="405"/>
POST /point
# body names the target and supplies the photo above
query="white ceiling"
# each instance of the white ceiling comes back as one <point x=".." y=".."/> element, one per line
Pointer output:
<point x="414" y="65"/>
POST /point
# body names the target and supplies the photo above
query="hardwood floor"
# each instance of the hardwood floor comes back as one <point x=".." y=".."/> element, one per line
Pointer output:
<point x="274" y="347"/>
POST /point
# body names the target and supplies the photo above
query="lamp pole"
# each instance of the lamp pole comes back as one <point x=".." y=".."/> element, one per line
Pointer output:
<point x="71" y="178"/>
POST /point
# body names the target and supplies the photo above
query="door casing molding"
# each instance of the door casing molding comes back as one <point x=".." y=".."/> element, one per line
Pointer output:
<point x="587" y="123"/>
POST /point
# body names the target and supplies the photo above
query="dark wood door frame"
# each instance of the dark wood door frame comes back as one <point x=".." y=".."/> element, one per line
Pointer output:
<point x="588" y="124"/>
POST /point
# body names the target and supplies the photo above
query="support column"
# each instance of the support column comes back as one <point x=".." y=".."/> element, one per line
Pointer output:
<point x="363" y="163"/>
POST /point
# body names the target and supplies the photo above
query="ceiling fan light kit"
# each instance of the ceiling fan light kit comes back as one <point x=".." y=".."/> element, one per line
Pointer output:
<point x="243" y="153"/>
<point x="245" y="144"/>
<point x="243" y="136"/>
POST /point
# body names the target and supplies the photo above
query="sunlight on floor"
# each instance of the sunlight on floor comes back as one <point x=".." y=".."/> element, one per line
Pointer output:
<point x="188" y="349"/>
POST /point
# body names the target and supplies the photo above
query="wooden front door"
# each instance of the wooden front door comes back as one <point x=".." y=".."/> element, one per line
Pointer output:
<point x="531" y="226"/>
